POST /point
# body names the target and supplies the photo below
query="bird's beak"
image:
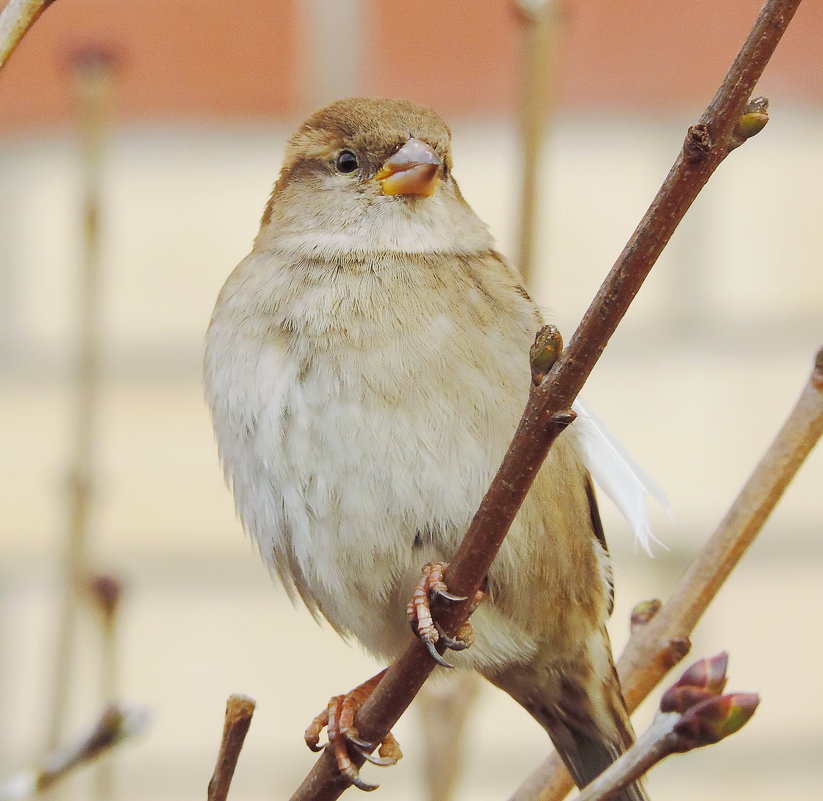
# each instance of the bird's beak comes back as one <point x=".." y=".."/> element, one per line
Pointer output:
<point x="412" y="170"/>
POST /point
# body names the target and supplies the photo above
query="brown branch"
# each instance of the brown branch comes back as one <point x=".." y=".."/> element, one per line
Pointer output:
<point x="239" y="711"/>
<point x="656" y="646"/>
<point x="15" y="20"/>
<point x="548" y="408"/>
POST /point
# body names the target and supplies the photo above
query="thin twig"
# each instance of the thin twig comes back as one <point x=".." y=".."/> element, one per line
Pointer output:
<point x="239" y="711"/>
<point x="540" y="25"/>
<point x="106" y="592"/>
<point x="92" y="71"/>
<point x="692" y="713"/>
<point x="655" y="647"/>
<point x="548" y="408"/>
<point x="114" y="726"/>
<point x="649" y="749"/>
<point x="15" y="20"/>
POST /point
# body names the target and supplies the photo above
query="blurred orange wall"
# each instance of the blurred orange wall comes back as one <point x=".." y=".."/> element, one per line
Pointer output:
<point x="211" y="58"/>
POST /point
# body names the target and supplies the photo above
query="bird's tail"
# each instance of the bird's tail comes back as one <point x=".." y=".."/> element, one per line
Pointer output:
<point x="582" y="710"/>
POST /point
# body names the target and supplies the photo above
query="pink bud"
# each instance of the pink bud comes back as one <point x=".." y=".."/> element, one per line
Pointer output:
<point x="713" y="719"/>
<point x="707" y="674"/>
<point x="679" y="699"/>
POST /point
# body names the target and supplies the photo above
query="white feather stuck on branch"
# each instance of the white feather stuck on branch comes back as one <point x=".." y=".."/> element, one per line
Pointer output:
<point x="617" y="474"/>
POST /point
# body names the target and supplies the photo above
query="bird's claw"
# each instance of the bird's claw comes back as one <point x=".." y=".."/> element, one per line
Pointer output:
<point x="338" y="720"/>
<point x="388" y="754"/>
<point x="435" y="654"/>
<point x="429" y="586"/>
<point x="359" y="783"/>
<point x="363" y="745"/>
<point x="383" y="762"/>
<point x="441" y="593"/>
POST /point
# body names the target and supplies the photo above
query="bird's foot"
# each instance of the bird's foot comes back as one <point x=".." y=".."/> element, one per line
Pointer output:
<point x="430" y="586"/>
<point x="338" y="720"/>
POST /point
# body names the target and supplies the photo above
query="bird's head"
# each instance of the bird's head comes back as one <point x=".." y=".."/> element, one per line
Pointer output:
<point x="370" y="175"/>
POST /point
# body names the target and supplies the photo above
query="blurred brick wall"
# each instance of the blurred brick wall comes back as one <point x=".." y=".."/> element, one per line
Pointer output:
<point x="210" y="58"/>
<point x="177" y="57"/>
<point x="636" y="54"/>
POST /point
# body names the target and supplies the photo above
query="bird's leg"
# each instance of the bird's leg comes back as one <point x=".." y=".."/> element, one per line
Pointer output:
<point x="338" y="720"/>
<point x="431" y="585"/>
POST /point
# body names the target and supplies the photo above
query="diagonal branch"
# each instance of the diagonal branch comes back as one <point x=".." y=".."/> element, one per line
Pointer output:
<point x="547" y="412"/>
<point x="640" y="662"/>
<point x="657" y="645"/>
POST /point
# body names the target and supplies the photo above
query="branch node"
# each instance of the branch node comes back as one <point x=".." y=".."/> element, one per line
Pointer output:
<point x="106" y="592"/>
<point x="547" y="347"/>
<point x="698" y="143"/>
<point x="674" y="651"/>
<point x="564" y="417"/>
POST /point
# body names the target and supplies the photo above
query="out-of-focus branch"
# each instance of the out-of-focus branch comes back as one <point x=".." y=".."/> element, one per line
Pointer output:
<point x="15" y="20"/>
<point x="115" y="726"/>
<point x="444" y="708"/>
<point x="105" y="592"/>
<point x="657" y="645"/>
<point x="239" y="711"/>
<point x="540" y="25"/>
<point x="644" y="661"/>
<point x="92" y="72"/>
<point x="548" y="410"/>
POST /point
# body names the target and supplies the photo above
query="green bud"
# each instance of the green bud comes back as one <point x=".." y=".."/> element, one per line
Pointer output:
<point x="713" y="719"/>
<point x="547" y="347"/>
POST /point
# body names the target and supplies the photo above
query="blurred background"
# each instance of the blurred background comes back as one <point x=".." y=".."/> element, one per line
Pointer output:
<point x="180" y="139"/>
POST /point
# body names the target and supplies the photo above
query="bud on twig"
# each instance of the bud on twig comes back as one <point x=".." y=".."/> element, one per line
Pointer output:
<point x="751" y="122"/>
<point x="106" y="592"/>
<point x="692" y="714"/>
<point x="713" y="719"/>
<point x="706" y="716"/>
<point x="643" y="612"/>
<point x="547" y="347"/>
<point x="754" y="117"/>
<point x="707" y="674"/>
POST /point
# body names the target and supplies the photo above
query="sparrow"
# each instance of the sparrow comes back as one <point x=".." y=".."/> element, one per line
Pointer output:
<point x="366" y="367"/>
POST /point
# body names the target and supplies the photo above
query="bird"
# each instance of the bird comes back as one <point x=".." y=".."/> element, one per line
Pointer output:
<point x="366" y="367"/>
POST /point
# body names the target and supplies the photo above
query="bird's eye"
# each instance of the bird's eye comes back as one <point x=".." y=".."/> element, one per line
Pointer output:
<point x="346" y="161"/>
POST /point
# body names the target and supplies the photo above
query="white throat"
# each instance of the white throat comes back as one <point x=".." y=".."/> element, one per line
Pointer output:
<point x="389" y="224"/>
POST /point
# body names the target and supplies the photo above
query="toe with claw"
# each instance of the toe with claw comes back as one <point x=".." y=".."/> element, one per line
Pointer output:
<point x="338" y="720"/>
<point x="430" y="586"/>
